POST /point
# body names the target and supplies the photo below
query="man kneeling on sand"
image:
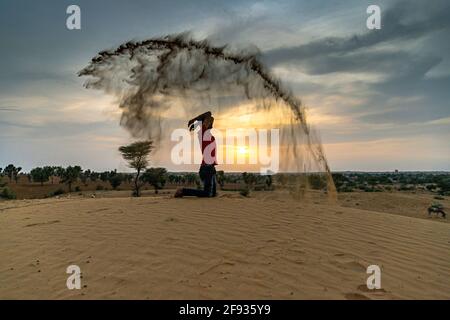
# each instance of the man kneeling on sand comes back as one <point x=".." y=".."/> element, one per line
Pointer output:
<point x="207" y="170"/>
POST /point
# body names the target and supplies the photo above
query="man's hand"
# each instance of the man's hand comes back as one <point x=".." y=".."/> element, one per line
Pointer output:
<point x="191" y="124"/>
<point x="198" y="118"/>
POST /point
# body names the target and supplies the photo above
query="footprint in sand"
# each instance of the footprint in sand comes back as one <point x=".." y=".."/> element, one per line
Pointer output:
<point x="355" y="265"/>
<point x="221" y="264"/>
<point x="348" y="261"/>
<point x="98" y="210"/>
<point x="42" y="223"/>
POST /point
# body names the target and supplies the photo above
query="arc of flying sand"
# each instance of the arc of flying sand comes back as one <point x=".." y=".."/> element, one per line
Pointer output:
<point x="179" y="42"/>
<point x="176" y="43"/>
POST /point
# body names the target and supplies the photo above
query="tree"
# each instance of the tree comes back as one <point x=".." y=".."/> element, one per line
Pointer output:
<point x="1" y="177"/>
<point x="40" y="175"/>
<point x="84" y="176"/>
<point x="59" y="172"/>
<point x="249" y="179"/>
<point x="8" y="171"/>
<point x="16" y="174"/>
<point x="171" y="178"/>
<point x="220" y="175"/>
<point x="12" y="172"/>
<point x="115" y="179"/>
<point x="104" y="176"/>
<point x="191" y="178"/>
<point x="50" y="171"/>
<point x="269" y="182"/>
<point x="136" y="155"/>
<point x="54" y="173"/>
<point x="128" y="177"/>
<point x="71" y="175"/>
<point x="155" y="177"/>
<point x="94" y="176"/>
<point x="340" y="181"/>
<point x="444" y="186"/>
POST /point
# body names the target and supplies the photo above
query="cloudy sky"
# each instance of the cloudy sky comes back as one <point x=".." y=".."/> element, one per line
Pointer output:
<point x="379" y="98"/>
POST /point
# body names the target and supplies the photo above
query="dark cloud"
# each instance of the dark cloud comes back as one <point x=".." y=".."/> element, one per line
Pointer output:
<point x="12" y="109"/>
<point x="382" y="62"/>
<point x="412" y="42"/>
<point x="399" y="22"/>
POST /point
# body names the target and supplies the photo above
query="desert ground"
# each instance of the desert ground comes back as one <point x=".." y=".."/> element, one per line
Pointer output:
<point x="267" y="246"/>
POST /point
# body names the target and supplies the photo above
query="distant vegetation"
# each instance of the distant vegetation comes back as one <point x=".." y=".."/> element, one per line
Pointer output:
<point x="12" y="172"/>
<point x="434" y="182"/>
<point x="49" y="181"/>
<point x="115" y="179"/>
<point x="42" y="174"/>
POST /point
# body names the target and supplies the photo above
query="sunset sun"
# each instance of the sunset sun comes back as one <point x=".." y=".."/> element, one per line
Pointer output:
<point x="242" y="150"/>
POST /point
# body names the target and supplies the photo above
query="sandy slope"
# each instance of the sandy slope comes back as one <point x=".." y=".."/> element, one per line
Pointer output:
<point x="264" y="247"/>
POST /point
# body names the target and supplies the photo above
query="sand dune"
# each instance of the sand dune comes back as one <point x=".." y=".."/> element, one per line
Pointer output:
<point x="264" y="247"/>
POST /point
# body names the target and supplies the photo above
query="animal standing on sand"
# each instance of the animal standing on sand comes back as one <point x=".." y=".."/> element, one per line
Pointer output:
<point x="436" y="209"/>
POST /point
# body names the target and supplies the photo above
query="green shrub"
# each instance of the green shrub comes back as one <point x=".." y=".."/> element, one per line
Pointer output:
<point x="345" y="189"/>
<point x="115" y="179"/>
<point x="99" y="187"/>
<point x="7" y="194"/>
<point x="57" y="192"/>
<point x="77" y="189"/>
<point x="437" y="205"/>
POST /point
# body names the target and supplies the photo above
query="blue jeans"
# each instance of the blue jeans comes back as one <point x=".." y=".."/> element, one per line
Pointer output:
<point x="207" y="174"/>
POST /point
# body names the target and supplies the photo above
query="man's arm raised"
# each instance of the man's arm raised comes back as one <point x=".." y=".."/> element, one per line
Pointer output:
<point x="198" y="118"/>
